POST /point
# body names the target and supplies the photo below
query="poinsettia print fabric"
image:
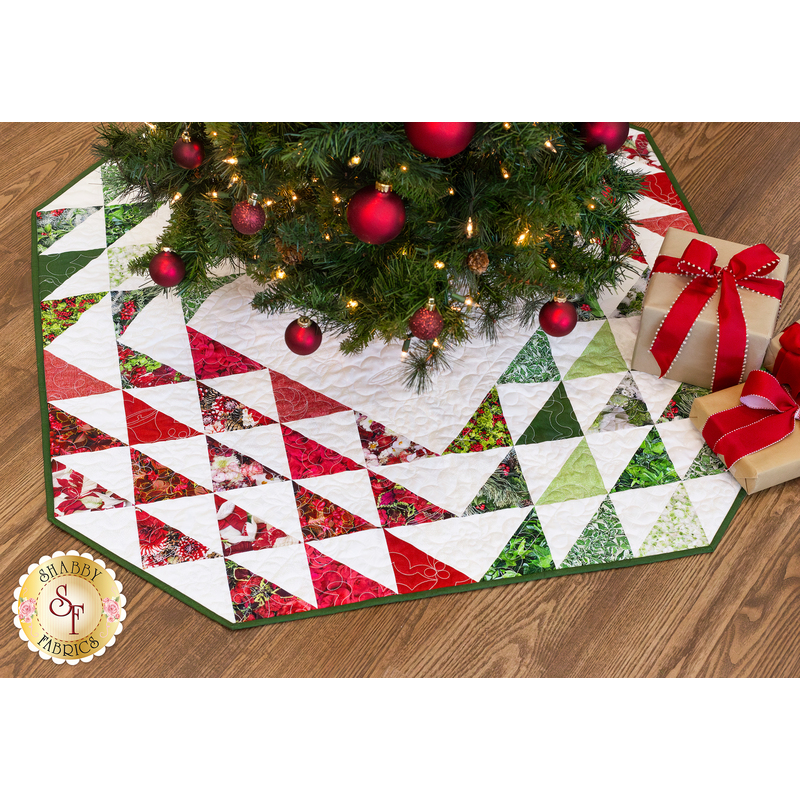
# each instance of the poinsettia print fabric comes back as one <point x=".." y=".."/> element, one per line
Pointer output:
<point x="75" y="492"/>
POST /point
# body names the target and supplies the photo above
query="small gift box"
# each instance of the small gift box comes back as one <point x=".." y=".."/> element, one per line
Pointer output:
<point x="709" y="310"/>
<point x="753" y="429"/>
<point x="783" y="358"/>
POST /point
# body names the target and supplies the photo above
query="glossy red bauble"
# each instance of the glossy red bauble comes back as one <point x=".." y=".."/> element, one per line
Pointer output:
<point x="440" y="139"/>
<point x="303" y="336"/>
<point x="558" y="318"/>
<point x="167" y="268"/>
<point x="376" y="214"/>
<point x="611" y="134"/>
<point x="188" y="154"/>
<point x="248" y="218"/>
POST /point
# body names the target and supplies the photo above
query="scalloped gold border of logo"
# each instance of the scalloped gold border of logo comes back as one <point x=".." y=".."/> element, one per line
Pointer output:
<point x="69" y="607"/>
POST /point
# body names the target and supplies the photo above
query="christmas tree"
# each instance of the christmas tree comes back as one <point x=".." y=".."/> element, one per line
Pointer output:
<point x="427" y="234"/>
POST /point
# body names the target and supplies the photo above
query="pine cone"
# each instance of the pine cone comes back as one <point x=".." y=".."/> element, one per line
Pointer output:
<point x="289" y="253"/>
<point x="478" y="261"/>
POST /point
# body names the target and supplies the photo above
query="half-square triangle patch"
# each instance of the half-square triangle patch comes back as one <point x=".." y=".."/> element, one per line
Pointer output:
<point x="678" y="527"/>
<point x="153" y="480"/>
<point x="231" y="469"/>
<point x="416" y="571"/>
<point x="486" y="429"/>
<point x="625" y="408"/>
<point x="254" y="597"/>
<point x="382" y="446"/>
<point x="212" y="359"/>
<point x="146" y="424"/>
<point x="533" y="364"/>
<point x="64" y="380"/>
<point x="126" y="305"/>
<point x="603" y="540"/>
<point x="601" y="355"/>
<point x="162" y="544"/>
<point x="321" y="518"/>
<point x="505" y="488"/>
<point x="650" y="466"/>
<point x="58" y="315"/>
<point x="123" y="218"/>
<point x="296" y="401"/>
<point x="242" y="532"/>
<point x="525" y="553"/>
<point x="140" y="371"/>
<point x="400" y="506"/>
<point x="556" y="420"/>
<point x="68" y="434"/>
<point x="73" y="491"/>
<point x="578" y="478"/>
<point x="223" y="413"/>
<point x="309" y="459"/>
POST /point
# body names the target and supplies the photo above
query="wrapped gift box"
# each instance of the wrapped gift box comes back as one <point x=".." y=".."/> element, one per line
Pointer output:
<point x="769" y="467"/>
<point x="695" y="362"/>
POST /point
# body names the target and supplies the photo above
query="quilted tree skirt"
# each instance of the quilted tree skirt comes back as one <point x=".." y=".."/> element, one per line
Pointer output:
<point x="187" y="443"/>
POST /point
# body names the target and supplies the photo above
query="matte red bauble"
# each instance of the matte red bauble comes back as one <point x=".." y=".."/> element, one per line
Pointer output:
<point x="376" y="214"/>
<point x="611" y="134"/>
<point x="187" y="153"/>
<point x="440" y="139"/>
<point x="558" y="318"/>
<point x="303" y="336"/>
<point x="248" y="217"/>
<point x="427" y="323"/>
<point x="167" y="268"/>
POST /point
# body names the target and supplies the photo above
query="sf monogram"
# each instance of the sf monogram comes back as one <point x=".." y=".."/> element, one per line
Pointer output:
<point x="72" y="609"/>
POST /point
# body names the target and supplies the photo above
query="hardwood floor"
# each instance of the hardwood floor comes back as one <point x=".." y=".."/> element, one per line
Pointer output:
<point x="729" y="614"/>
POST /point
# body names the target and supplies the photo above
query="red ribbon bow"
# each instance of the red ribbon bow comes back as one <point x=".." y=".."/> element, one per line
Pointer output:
<point x="765" y="416"/>
<point x="746" y="270"/>
<point x="787" y="363"/>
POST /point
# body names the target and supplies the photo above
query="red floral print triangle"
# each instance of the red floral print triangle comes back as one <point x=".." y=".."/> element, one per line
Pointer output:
<point x="242" y="532"/>
<point x="254" y="597"/>
<point x="153" y="480"/>
<point x="161" y="544"/>
<point x="65" y="380"/>
<point x="231" y="469"/>
<point x="400" y="506"/>
<point x="222" y="413"/>
<point x="68" y="434"/>
<point x="309" y="459"/>
<point x="146" y="424"/>
<point x="383" y="447"/>
<point x="73" y="492"/>
<point x="416" y="571"/>
<point x="296" y="401"/>
<point x="212" y="359"/>
<point x="336" y="584"/>
<point x="321" y="518"/>
<point x="140" y="371"/>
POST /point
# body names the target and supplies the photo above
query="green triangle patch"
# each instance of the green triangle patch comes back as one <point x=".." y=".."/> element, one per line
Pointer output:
<point x="625" y="408"/>
<point x="123" y="218"/>
<point x="505" y="488"/>
<point x="578" y="478"/>
<point x="525" y="553"/>
<point x="533" y="364"/>
<point x="602" y="540"/>
<point x="486" y="429"/>
<point x="556" y="420"/>
<point x="600" y="356"/>
<point x="678" y="527"/>
<point x="681" y="403"/>
<point x="58" y="315"/>
<point x="650" y="466"/>
<point x="55" y="269"/>
<point x="706" y="462"/>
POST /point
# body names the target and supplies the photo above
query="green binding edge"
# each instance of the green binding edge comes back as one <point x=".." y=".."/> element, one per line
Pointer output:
<point x="555" y="573"/>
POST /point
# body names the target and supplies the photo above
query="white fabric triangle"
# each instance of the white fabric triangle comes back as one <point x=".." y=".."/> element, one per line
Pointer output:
<point x="613" y="450"/>
<point x="87" y="192"/>
<point x="148" y="230"/>
<point x="159" y="331"/>
<point x="113" y="529"/>
<point x="350" y="490"/>
<point x="205" y="581"/>
<point x="683" y="442"/>
<point x="650" y="208"/>
<point x="649" y="242"/>
<point x="563" y="523"/>
<point x="188" y="457"/>
<point x="364" y="551"/>
<point x="89" y="235"/>
<point x="194" y="516"/>
<point x="90" y="344"/>
<point x="450" y="482"/>
<point x="103" y="411"/>
<point x="542" y="461"/>
<point x="656" y="392"/>
<point x="179" y="400"/>
<point x="712" y="497"/>
<point x="639" y="509"/>
<point x="271" y="502"/>
<point x="264" y="444"/>
<point x="590" y="395"/>
<point x="568" y="349"/>
<point x="638" y="164"/>
<point x="609" y="298"/>
<point x="469" y="544"/>
<point x="625" y="331"/>
<point x="521" y="403"/>
<point x="89" y="280"/>
<point x="286" y="567"/>
<point x="110" y="468"/>
<point x="337" y="432"/>
<point x="254" y="389"/>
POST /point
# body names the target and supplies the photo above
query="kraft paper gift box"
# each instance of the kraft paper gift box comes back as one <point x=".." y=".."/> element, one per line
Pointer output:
<point x="694" y="364"/>
<point x="761" y="470"/>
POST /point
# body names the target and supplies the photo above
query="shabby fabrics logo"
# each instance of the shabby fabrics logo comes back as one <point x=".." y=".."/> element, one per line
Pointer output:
<point x="69" y="607"/>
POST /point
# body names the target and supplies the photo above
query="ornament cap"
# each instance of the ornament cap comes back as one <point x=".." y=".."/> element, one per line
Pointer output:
<point x="383" y="188"/>
<point x="559" y="297"/>
<point x="253" y="199"/>
<point x="304" y="322"/>
<point x="431" y="304"/>
<point x="166" y="249"/>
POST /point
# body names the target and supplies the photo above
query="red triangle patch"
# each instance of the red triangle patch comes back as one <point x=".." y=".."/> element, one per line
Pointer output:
<point x="68" y="434"/>
<point x="73" y="491"/>
<point x="321" y="519"/>
<point x="212" y="359"/>
<point x="242" y="532"/>
<point x="146" y="424"/>
<point x="222" y="413"/>
<point x="336" y="584"/>
<point x="658" y="186"/>
<point x="161" y="544"/>
<point x="231" y="469"/>
<point x="309" y="459"/>
<point x="65" y="380"/>
<point x="416" y="571"/>
<point x="295" y="401"/>
<point x="254" y="597"/>
<point x="153" y="480"/>
<point x="659" y="225"/>
<point x="400" y="506"/>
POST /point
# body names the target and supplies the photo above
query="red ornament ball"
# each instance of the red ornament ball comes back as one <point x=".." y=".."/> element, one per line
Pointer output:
<point x="167" y="268"/>
<point x="558" y="318"/>
<point x="248" y="218"/>
<point x="303" y="336"/>
<point x="188" y="153"/>
<point x="440" y="139"/>
<point x="376" y="214"/>
<point x="426" y="323"/>
<point x="611" y="134"/>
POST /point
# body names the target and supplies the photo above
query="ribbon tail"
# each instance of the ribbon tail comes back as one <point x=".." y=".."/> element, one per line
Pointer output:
<point x="769" y="430"/>
<point x="732" y="333"/>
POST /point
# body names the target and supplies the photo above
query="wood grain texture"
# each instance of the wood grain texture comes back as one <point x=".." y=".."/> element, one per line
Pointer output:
<point x="729" y="614"/>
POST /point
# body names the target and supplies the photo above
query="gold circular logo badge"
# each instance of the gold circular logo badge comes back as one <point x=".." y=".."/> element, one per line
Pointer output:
<point x="69" y="607"/>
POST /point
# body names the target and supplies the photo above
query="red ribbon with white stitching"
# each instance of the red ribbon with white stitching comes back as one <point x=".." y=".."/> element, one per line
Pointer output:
<point x="765" y="416"/>
<point x="746" y="270"/>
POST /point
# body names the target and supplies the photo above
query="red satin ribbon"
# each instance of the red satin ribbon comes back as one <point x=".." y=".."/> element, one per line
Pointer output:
<point x="746" y="270"/>
<point x="787" y="363"/>
<point x="765" y="416"/>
